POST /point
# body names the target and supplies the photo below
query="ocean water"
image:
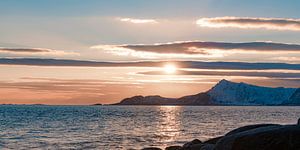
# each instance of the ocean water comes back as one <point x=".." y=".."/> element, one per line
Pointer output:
<point x="125" y="127"/>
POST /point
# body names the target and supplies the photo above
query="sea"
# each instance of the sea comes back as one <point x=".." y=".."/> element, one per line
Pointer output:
<point x="127" y="127"/>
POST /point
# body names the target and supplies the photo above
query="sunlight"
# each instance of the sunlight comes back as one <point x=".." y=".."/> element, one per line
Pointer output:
<point x="170" y="124"/>
<point x="170" y="68"/>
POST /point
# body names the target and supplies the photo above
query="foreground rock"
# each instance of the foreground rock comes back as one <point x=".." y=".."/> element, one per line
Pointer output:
<point x="213" y="140"/>
<point x="249" y="127"/>
<point x="263" y="138"/>
<point x="151" y="148"/>
<point x="174" y="148"/>
<point x="251" y="137"/>
<point x="192" y="143"/>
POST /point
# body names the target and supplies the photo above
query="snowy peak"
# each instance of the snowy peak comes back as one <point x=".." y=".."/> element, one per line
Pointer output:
<point x="224" y="83"/>
<point x="295" y="98"/>
<point x="231" y="93"/>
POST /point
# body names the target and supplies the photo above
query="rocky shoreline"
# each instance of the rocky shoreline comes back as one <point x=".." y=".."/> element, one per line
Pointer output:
<point x="251" y="137"/>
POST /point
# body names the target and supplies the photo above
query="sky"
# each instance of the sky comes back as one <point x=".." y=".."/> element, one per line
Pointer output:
<point x="84" y="52"/>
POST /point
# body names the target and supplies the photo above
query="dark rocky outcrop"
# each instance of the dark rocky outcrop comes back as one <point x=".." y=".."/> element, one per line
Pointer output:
<point x="213" y="140"/>
<point x="174" y="148"/>
<point x="249" y="127"/>
<point x="208" y="147"/>
<point x="195" y="141"/>
<point x="193" y="145"/>
<point x="151" y="148"/>
<point x="251" y="137"/>
<point x="263" y="138"/>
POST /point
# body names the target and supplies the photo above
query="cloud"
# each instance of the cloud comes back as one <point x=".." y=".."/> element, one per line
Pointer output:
<point x="138" y="21"/>
<point x="180" y="64"/>
<point x="60" y="91"/>
<point x="204" y="47"/>
<point x="248" y="22"/>
<point x="62" y="85"/>
<point x="231" y="73"/>
<point x="25" y="50"/>
<point x="196" y="49"/>
<point x="35" y="51"/>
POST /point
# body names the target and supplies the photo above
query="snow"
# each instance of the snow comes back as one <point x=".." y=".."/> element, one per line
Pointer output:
<point x="227" y="92"/>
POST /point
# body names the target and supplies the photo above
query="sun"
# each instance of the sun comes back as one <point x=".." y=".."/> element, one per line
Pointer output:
<point x="170" y="68"/>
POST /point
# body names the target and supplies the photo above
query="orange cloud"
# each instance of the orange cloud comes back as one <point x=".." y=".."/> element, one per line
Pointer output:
<point x="248" y="22"/>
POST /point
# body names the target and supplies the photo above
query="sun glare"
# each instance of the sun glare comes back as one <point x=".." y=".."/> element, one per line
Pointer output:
<point x="170" y="68"/>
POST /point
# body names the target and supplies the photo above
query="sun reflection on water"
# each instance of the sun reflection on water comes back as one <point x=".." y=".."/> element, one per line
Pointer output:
<point x="169" y="126"/>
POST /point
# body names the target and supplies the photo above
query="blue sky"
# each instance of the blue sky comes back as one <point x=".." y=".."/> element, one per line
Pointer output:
<point x="154" y="8"/>
<point x="29" y="16"/>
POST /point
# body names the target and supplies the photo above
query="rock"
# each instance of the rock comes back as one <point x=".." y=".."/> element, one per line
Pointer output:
<point x="97" y="104"/>
<point x="151" y="148"/>
<point x="249" y="127"/>
<point x="213" y="140"/>
<point x="189" y="144"/>
<point x="195" y="147"/>
<point x="208" y="147"/>
<point x="264" y="138"/>
<point x="173" y="148"/>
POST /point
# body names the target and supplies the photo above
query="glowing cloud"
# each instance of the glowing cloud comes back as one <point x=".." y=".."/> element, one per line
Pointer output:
<point x="177" y="64"/>
<point x="198" y="49"/>
<point x="138" y="21"/>
<point x="247" y="22"/>
<point x="36" y="51"/>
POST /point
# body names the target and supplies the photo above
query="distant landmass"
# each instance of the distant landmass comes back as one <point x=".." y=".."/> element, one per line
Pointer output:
<point x="97" y="104"/>
<point x="225" y="93"/>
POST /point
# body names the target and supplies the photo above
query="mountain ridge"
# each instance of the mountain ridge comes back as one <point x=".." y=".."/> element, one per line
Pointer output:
<point x="225" y="93"/>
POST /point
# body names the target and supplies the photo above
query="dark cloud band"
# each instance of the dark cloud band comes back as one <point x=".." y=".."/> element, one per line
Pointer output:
<point x="202" y="47"/>
<point x="25" y="50"/>
<point x="181" y="64"/>
<point x="231" y="73"/>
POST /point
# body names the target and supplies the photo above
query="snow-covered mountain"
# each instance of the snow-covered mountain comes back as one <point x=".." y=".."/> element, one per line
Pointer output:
<point x="226" y="93"/>
<point x="295" y="98"/>
<point x="231" y="93"/>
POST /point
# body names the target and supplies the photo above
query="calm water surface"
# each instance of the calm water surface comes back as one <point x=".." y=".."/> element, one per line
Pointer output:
<point x="124" y="127"/>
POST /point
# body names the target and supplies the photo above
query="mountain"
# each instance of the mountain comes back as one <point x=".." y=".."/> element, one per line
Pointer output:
<point x="295" y="98"/>
<point x="231" y="93"/>
<point x="148" y="100"/>
<point x="226" y="93"/>
<point x="198" y="99"/>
